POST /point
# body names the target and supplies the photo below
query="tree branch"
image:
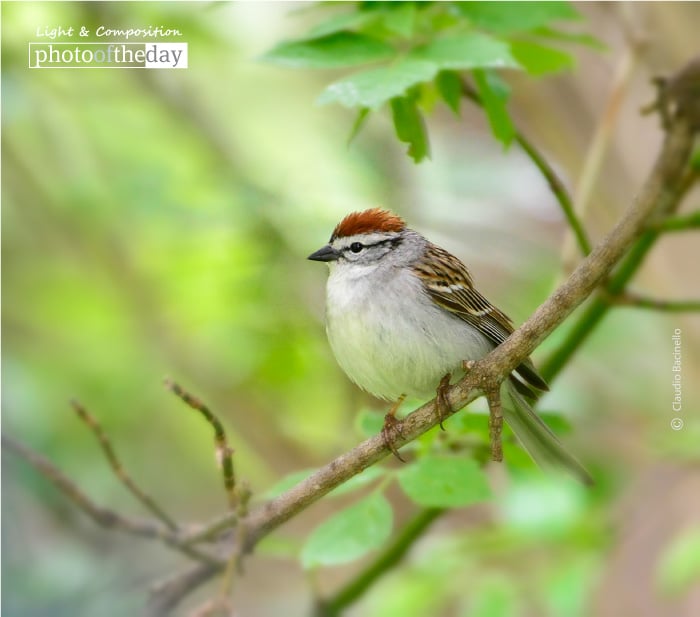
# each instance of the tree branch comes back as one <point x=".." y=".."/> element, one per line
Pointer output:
<point x="659" y="194"/>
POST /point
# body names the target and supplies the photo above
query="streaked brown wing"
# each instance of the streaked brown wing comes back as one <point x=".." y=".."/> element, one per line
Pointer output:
<point x="450" y="285"/>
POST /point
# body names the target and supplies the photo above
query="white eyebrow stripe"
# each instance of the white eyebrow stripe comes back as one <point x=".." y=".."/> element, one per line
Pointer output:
<point x="368" y="239"/>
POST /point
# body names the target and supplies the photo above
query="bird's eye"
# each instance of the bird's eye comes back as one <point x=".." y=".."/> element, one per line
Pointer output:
<point x="356" y="247"/>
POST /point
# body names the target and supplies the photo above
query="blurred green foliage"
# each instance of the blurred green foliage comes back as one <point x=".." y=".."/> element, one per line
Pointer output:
<point x="425" y="44"/>
<point x="157" y="222"/>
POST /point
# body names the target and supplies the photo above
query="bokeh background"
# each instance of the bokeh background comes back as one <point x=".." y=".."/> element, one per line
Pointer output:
<point x="156" y="223"/>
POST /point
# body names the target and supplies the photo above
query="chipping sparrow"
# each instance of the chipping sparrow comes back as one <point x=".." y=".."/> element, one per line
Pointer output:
<point x="401" y="313"/>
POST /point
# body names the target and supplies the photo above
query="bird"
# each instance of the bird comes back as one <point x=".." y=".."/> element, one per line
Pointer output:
<point x="403" y="316"/>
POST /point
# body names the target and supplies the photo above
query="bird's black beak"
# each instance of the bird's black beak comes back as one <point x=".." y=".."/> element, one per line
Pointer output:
<point x="325" y="253"/>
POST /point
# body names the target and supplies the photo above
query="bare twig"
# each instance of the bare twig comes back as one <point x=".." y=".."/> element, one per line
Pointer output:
<point x="118" y="468"/>
<point x="681" y="90"/>
<point x="103" y="516"/>
<point x="223" y="451"/>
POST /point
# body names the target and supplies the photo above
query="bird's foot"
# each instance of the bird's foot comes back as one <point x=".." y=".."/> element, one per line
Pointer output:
<point x="392" y="428"/>
<point x="442" y="405"/>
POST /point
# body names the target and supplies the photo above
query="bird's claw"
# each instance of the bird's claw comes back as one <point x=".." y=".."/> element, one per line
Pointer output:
<point x="442" y="405"/>
<point x="390" y="430"/>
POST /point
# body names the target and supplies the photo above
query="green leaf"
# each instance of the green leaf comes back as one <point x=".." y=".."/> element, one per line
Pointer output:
<point x="510" y="17"/>
<point x="358" y="124"/>
<point x="349" y="534"/>
<point x="494" y="96"/>
<point x="374" y="87"/>
<point x="544" y="506"/>
<point x="467" y="51"/>
<point x="410" y="127"/>
<point x="679" y="565"/>
<point x="580" y="38"/>
<point x="331" y="51"/>
<point x="368" y="422"/>
<point x="444" y="482"/>
<point x="538" y="59"/>
<point x="400" y="18"/>
<point x="494" y="596"/>
<point x="345" y="21"/>
<point x="450" y="88"/>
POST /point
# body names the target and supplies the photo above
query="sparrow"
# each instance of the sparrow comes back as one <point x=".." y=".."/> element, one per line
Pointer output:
<point x="403" y="317"/>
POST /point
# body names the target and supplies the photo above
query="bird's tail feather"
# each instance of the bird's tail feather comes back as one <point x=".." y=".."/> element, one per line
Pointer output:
<point x="536" y="437"/>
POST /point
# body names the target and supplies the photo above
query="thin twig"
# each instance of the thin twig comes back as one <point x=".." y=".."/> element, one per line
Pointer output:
<point x="637" y="301"/>
<point x="103" y="516"/>
<point x="387" y="559"/>
<point x="223" y="451"/>
<point x="118" y="468"/>
<point x="212" y="530"/>
<point x="555" y="183"/>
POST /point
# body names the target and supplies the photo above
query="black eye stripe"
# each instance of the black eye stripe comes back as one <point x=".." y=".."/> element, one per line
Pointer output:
<point x="394" y="242"/>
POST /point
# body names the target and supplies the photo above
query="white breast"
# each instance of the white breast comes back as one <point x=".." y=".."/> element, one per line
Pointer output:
<point x="390" y="337"/>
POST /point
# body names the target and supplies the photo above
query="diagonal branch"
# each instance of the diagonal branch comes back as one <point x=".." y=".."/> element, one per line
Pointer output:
<point x="659" y="190"/>
<point x="118" y="468"/>
<point x="502" y="360"/>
